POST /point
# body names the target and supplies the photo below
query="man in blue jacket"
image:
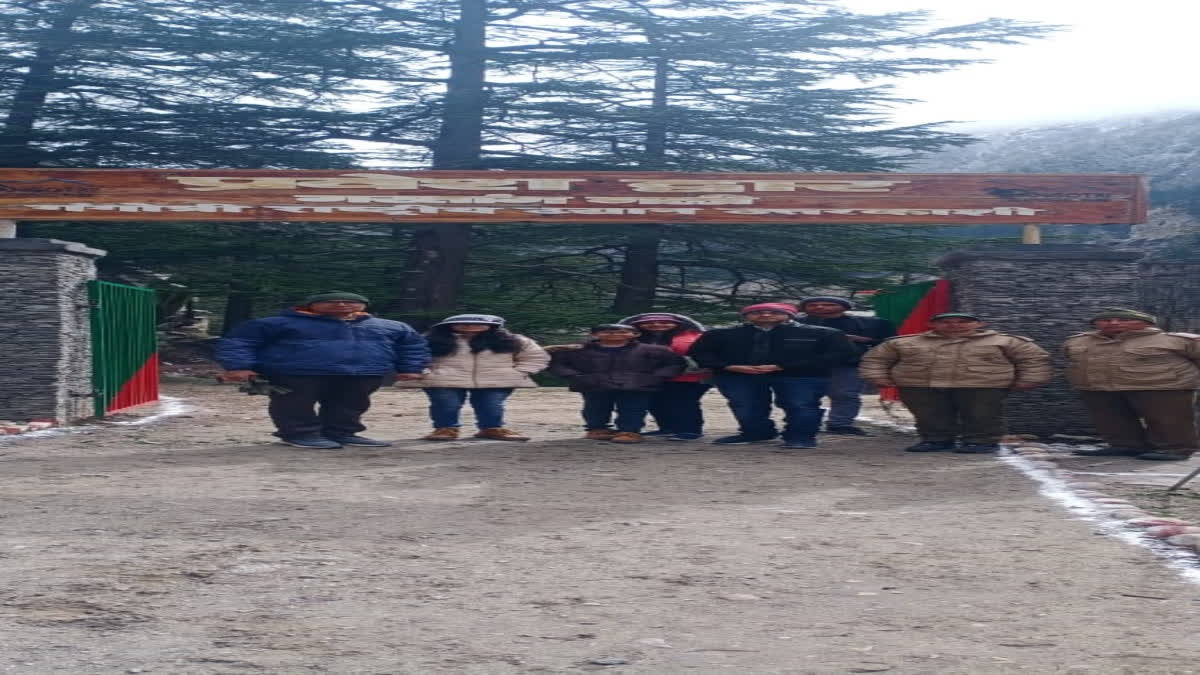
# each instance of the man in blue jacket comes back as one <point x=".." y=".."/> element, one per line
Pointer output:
<point x="332" y="356"/>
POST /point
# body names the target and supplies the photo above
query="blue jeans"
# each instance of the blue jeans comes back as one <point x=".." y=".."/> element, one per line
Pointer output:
<point x="845" y="396"/>
<point x="446" y="402"/>
<point x="750" y="398"/>
<point x="676" y="407"/>
<point x="631" y="409"/>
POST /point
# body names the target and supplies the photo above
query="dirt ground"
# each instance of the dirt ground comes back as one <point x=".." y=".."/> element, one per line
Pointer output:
<point x="195" y="546"/>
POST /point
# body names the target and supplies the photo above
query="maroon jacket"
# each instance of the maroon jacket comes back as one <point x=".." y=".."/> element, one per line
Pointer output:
<point x="634" y="367"/>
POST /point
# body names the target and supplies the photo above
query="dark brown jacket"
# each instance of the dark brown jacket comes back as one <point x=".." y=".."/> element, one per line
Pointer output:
<point x="634" y="367"/>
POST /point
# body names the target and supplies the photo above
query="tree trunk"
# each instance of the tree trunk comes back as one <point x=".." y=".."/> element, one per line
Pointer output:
<point x="436" y="266"/>
<point x="16" y="137"/>
<point x="639" y="271"/>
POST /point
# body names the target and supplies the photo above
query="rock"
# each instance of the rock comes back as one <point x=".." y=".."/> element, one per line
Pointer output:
<point x="607" y="661"/>
<point x="1186" y="540"/>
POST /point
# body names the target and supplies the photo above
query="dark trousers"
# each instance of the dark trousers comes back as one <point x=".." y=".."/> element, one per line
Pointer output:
<point x="1162" y="420"/>
<point x="974" y="415"/>
<point x="340" y="400"/>
<point x="631" y="406"/>
<point x="750" y="398"/>
<point x="676" y="407"/>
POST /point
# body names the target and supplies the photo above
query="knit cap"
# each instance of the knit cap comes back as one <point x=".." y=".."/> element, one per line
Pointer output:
<point x="647" y="318"/>
<point x="790" y="310"/>
<point x="827" y="298"/>
<point x="489" y="319"/>
<point x="955" y="315"/>
<point x="1123" y="313"/>
<point x="334" y="295"/>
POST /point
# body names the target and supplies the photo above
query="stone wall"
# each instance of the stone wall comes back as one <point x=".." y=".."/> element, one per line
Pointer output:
<point x="44" y="329"/>
<point x="1171" y="290"/>
<point x="1046" y="292"/>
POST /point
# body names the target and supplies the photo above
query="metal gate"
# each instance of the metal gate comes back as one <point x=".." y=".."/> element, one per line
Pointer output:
<point x="124" y="346"/>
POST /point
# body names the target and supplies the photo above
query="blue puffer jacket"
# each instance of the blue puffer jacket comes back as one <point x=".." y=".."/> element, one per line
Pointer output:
<point x="299" y="343"/>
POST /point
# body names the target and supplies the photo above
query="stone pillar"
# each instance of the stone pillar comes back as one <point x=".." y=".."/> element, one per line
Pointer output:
<point x="1045" y="292"/>
<point x="1170" y="289"/>
<point x="45" y="339"/>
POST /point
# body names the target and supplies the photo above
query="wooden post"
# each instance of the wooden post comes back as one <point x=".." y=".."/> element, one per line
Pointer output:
<point x="1031" y="234"/>
<point x="8" y="229"/>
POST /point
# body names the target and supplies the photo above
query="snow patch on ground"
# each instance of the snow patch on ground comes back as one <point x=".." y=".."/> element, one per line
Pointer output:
<point x="165" y="408"/>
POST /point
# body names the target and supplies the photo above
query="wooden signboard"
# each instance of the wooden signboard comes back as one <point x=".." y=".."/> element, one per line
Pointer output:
<point x="570" y="197"/>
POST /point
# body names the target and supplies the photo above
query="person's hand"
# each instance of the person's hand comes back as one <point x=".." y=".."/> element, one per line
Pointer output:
<point x="409" y="376"/>
<point x="859" y="338"/>
<point x="237" y="376"/>
<point x="1025" y="387"/>
<point x="883" y="383"/>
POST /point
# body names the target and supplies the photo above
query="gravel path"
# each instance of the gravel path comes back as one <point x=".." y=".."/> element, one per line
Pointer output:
<point x="193" y="546"/>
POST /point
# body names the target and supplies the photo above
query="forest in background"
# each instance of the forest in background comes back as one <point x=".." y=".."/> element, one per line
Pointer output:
<point x="685" y="85"/>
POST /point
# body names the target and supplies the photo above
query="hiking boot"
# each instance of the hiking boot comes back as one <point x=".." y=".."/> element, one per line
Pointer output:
<point x="799" y="444"/>
<point x="742" y="439"/>
<point x="310" y="442"/>
<point x="355" y="439"/>
<point x="977" y="448"/>
<point x="500" y="434"/>
<point x="931" y="446"/>
<point x="599" y="434"/>
<point x="684" y="436"/>
<point x="1110" y="452"/>
<point x="626" y="437"/>
<point x="846" y="431"/>
<point x="1164" y="456"/>
<point x="442" y="434"/>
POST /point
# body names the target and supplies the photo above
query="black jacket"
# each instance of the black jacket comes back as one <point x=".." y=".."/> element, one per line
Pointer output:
<point x="867" y="326"/>
<point x="802" y="351"/>
<point x="634" y="367"/>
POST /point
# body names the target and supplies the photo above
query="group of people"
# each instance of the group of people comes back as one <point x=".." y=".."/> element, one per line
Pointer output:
<point x="325" y="357"/>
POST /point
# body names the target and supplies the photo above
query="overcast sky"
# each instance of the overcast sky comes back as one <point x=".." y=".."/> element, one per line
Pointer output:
<point x="1114" y="58"/>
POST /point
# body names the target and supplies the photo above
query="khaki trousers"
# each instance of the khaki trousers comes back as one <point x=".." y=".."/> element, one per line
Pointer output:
<point x="974" y="415"/>
<point x="1161" y="420"/>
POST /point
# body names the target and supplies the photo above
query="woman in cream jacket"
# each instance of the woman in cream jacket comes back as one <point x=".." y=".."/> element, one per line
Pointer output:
<point x="476" y="359"/>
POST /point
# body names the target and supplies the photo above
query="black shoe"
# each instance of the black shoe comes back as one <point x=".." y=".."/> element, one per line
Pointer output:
<point x="363" y="441"/>
<point x="1110" y="452"/>
<point x="742" y="439"/>
<point x="1164" y="457"/>
<point x="799" y="444"/>
<point x="846" y="431"/>
<point x="931" y="446"/>
<point x="310" y="442"/>
<point x="977" y="448"/>
<point x="658" y="432"/>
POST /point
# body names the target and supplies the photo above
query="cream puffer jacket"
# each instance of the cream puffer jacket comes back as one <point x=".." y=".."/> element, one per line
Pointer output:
<point x="1146" y="359"/>
<point x="982" y="360"/>
<point x="462" y="369"/>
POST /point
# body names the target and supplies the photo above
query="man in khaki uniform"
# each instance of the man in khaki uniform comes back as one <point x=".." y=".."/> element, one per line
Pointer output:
<point x="955" y="377"/>
<point x="1138" y="385"/>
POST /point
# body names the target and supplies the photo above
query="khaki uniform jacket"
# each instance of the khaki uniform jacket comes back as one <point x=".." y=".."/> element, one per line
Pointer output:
<point x="1147" y="359"/>
<point x="985" y="359"/>
<point x="484" y="370"/>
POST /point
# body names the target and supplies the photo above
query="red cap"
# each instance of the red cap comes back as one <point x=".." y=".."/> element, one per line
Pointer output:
<point x="790" y="310"/>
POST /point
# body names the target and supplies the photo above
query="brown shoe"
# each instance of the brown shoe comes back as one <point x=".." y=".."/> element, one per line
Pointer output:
<point x="600" y="434"/>
<point x="442" y="434"/>
<point x="500" y="434"/>
<point x="626" y="437"/>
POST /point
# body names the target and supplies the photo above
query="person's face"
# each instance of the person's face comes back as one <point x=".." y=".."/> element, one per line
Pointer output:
<point x="956" y="325"/>
<point x="658" y="326"/>
<point x="337" y="307"/>
<point x="767" y="317"/>
<point x="824" y="309"/>
<point x="615" y="337"/>
<point x="470" y="328"/>
<point x="1118" y="326"/>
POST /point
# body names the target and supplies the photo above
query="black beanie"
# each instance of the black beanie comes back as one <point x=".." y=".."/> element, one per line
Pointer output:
<point x="334" y="295"/>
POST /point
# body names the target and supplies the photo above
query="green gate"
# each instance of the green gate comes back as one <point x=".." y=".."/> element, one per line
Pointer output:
<point x="124" y="346"/>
